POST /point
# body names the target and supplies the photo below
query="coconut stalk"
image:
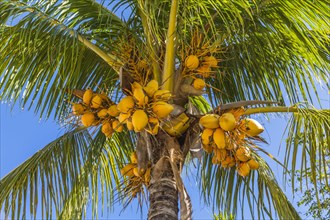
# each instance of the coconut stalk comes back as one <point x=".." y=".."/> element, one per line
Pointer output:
<point x="168" y="71"/>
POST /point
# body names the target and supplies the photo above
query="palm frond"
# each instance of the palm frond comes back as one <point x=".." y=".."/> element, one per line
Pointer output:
<point x="231" y="194"/>
<point x="45" y="58"/>
<point x="308" y="139"/>
<point x="48" y="174"/>
<point x="270" y="50"/>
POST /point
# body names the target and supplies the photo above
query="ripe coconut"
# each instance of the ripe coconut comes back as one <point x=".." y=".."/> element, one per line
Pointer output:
<point x="199" y="84"/>
<point x="78" y="109"/>
<point x="254" y="165"/>
<point x="204" y="70"/>
<point x="207" y="136"/>
<point x="139" y="120"/>
<point x="162" y="109"/>
<point x="219" y="138"/>
<point x="107" y="129"/>
<point x="87" y="97"/>
<point x="153" y="126"/>
<point x="136" y="85"/>
<point x="243" y="169"/>
<point x="208" y="148"/>
<point x="126" y="104"/>
<point x="103" y="113"/>
<point x="251" y="127"/>
<point x="123" y="117"/>
<point x="151" y="88"/>
<point x="243" y="154"/>
<point x="128" y="170"/>
<point x="229" y="161"/>
<point x="209" y="121"/>
<point x="129" y="125"/>
<point x="88" y="119"/>
<point x="162" y="95"/>
<point x="113" y="111"/>
<point x="117" y="126"/>
<point x="221" y="154"/>
<point x="96" y="101"/>
<point x="227" y="121"/>
<point x="191" y="62"/>
<point x="141" y="98"/>
<point x="210" y="61"/>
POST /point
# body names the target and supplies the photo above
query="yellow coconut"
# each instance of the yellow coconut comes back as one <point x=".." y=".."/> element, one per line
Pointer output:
<point x="215" y="160"/>
<point x="126" y="104"/>
<point x="251" y="127"/>
<point x="123" y="118"/>
<point x="254" y="165"/>
<point x="243" y="169"/>
<point x="199" y="84"/>
<point x="96" y="101"/>
<point x="243" y="154"/>
<point x="219" y="138"/>
<point x="129" y="125"/>
<point x="227" y="121"/>
<point x="136" y="85"/>
<point x="88" y="119"/>
<point x="209" y="121"/>
<point x="137" y="172"/>
<point x="162" y="95"/>
<point x="151" y="88"/>
<point x="191" y="62"/>
<point x="78" y="109"/>
<point x="87" y="97"/>
<point x="221" y="154"/>
<point x="117" y="126"/>
<point x="113" y="111"/>
<point x="153" y="126"/>
<point x="207" y="136"/>
<point x="207" y="148"/>
<point x="128" y="170"/>
<point x="107" y="129"/>
<point x="162" y="109"/>
<point x="204" y="70"/>
<point x="103" y="113"/>
<point x="133" y="157"/>
<point x="140" y="97"/>
<point x="139" y="120"/>
<point x="229" y="161"/>
<point x="210" y="61"/>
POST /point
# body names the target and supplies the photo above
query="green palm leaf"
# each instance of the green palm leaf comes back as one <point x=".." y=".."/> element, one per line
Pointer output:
<point x="229" y="193"/>
<point x="49" y="173"/>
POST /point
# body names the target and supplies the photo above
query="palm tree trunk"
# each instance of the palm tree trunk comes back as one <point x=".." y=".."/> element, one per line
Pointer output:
<point x="163" y="192"/>
<point x="163" y="200"/>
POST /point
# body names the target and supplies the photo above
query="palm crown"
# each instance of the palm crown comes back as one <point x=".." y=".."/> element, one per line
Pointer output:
<point x="253" y="57"/>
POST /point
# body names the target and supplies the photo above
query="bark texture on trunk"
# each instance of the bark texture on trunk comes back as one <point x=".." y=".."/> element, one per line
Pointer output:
<point x="163" y="200"/>
<point x="163" y="192"/>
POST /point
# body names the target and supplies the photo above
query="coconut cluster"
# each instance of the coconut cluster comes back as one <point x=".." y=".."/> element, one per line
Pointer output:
<point x="224" y="135"/>
<point x="96" y="109"/>
<point x="145" y="107"/>
<point x="200" y="68"/>
<point x="136" y="177"/>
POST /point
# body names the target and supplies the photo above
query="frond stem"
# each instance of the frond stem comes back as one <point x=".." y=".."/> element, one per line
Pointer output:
<point x="110" y="59"/>
<point x="270" y="109"/>
<point x="168" y="71"/>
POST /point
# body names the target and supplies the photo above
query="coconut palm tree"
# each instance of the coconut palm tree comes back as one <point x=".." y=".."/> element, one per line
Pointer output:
<point x="255" y="57"/>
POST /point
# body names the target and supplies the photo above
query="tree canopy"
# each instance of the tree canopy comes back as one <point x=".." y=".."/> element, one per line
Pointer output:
<point x="252" y="57"/>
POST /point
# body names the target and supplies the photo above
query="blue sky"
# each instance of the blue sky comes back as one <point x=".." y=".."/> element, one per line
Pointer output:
<point x="23" y="134"/>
